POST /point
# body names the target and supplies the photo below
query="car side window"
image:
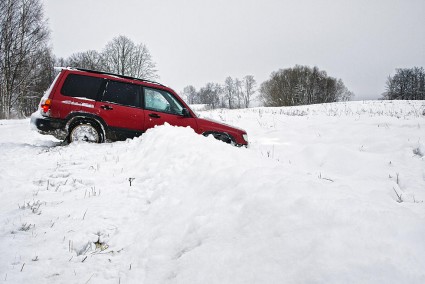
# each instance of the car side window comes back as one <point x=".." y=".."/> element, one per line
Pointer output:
<point x="162" y="101"/>
<point x="81" y="86"/>
<point x="122" y="93"/>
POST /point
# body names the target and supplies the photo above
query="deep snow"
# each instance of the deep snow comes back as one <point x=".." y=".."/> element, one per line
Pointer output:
<point x="330" y="193"/>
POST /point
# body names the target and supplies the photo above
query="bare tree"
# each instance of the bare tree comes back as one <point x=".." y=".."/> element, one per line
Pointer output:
<point x="191" y="95"/>
<point x="88" y="60"/>
<point x="29" y="101"/>
<point x="123" y="57"/>
<point x="229" y="92"/>
<point x="117" y="55"/>
<point x="142" y="65"/>
<point x="210" y="94"/>
<point x="23" y="38"/>
<point x="248" y="87"/>
<point x="238" y="92"/>
<point x="344" y="93"/>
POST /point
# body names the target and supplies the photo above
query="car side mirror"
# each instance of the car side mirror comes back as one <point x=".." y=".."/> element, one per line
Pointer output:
<point x="185" y="112"/>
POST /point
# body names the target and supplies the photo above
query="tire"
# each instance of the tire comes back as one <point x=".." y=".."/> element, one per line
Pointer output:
<point x="224" y="137"/>
<point x="85" y="131"/>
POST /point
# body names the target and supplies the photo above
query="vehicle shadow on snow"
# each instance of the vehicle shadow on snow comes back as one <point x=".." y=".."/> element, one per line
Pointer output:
<point x="48" y="143"/>
<point x="37" y="144"/>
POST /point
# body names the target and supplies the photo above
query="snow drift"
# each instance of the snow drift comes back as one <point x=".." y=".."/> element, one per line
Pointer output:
<point x="327" y="194"/>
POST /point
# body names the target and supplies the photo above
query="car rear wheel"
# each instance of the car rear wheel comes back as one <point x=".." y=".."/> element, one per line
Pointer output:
<point x="85" y="131"/>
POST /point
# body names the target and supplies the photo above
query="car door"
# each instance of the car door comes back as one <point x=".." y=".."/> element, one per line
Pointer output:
<point x="163" y="107"/>
<point x="120" y="108"/>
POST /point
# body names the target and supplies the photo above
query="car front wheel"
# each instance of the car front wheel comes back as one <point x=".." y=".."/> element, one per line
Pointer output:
<point x="220" y="136"/>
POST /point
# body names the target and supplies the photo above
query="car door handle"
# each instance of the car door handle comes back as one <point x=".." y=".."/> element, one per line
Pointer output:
<point x="154" y="115"/>
<point x="106" y="107"/>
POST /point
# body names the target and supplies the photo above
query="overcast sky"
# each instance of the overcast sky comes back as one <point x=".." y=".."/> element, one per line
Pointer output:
<point x="194" y="42"/>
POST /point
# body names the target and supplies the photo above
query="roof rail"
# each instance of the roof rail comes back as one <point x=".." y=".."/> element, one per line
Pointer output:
<point x="117" y="75"/>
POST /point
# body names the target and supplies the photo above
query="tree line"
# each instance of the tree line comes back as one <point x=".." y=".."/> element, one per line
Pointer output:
<point x="300" y="85"/>
<point x="27" y="62"/>
<point x="27" y="69"/>
<point x="120" y="56"/>
<point x="233" y="93"/>
<point x="406" y="84"/>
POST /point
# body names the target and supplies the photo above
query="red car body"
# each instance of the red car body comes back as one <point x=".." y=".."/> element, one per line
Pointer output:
<point x="118" y="107"/>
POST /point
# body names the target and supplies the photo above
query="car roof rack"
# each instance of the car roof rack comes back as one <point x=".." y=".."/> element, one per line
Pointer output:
<point x="117" y="75"/>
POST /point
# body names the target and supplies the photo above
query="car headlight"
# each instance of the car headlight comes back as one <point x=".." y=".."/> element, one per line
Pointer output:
<point x="245" y="137"/>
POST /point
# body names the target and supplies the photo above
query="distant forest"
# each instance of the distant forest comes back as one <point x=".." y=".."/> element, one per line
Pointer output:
<point x="406" y="84"/>
<point x="27" y="69"/>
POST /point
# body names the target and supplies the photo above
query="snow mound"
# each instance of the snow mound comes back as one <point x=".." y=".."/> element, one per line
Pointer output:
<point x="326" y="200"/>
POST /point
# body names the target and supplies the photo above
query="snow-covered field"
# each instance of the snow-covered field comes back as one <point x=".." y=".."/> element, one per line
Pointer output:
<point x="329" y="193"/>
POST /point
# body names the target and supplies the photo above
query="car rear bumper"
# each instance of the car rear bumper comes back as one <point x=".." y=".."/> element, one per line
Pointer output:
<point x="47" y="125"/>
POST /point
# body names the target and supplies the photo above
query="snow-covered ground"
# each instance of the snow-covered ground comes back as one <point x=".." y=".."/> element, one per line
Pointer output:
<point x="329" y="193"/>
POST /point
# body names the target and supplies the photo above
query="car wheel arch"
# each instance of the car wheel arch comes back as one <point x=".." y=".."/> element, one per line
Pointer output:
<point x="85" y="117"/>
<point x="222" y="136"/>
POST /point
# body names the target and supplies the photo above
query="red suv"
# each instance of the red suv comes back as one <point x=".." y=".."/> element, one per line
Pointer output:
<point x="85" y="105"/>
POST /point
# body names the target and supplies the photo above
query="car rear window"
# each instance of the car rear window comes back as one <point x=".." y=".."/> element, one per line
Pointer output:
<point x="81" y="86"/>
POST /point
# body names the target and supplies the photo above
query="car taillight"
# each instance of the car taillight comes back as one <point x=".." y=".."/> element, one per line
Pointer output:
<point x="45" y="106"/>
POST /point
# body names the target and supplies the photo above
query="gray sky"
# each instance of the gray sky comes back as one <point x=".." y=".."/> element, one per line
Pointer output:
<point x="195" y="42"/>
